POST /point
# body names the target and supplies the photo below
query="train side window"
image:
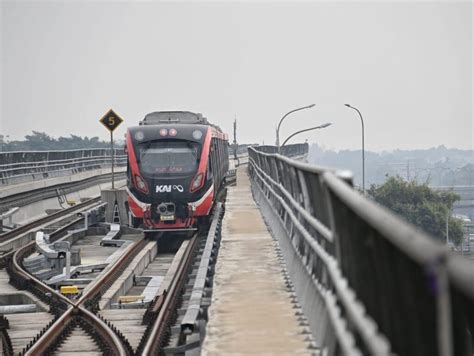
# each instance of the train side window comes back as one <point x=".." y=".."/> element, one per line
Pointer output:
<point x="129" y="173"/>
<point x="218" y="158"/>
<point x="209" y="170"/>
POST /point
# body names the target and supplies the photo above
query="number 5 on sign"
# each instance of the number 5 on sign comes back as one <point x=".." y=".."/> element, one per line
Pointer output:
<point x="111" y="120"/>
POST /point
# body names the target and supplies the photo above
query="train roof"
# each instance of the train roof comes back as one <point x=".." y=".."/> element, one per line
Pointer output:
<point x="176" y="117"/>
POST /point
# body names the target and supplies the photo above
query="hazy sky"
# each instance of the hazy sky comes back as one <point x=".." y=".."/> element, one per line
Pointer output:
<point x="406" y="65"/>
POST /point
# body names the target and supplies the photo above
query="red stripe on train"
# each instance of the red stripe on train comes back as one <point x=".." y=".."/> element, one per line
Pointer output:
<point x="132" y="157"/>
<point x="205" y="153"/>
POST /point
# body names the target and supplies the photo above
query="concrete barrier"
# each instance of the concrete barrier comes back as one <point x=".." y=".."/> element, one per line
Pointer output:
<point x="125" y="281"/>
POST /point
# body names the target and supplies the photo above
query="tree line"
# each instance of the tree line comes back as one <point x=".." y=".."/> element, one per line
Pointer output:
<point x="40" y="141"/>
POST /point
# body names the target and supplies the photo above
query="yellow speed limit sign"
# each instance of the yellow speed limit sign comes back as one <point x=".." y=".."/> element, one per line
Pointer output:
<point x="111" y="120"/>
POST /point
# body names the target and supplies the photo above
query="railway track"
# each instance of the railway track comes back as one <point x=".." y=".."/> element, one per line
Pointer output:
<point x="161" y="312"/>
<point x="65" y="218"/>
<point x="21" y="280"/>
<point x="29" y="197"/>
<point x="5" y="341"/>
<point x="70" y="315"/>
<point x="78" y="323"/>
<point x="47" y="219"/>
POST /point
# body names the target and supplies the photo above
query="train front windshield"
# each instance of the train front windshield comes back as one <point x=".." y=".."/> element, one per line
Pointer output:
<point x="169" y="157"/>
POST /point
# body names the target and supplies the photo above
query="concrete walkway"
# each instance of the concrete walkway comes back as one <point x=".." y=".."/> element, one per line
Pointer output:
<point x="251" y="312"/>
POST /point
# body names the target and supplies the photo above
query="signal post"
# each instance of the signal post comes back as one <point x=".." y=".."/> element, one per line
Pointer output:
<point x="115" y="211"/>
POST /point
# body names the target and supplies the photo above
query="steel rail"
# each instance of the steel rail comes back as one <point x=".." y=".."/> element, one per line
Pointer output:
<point x="45" y="219"/>
<point x="32" y="282"/>
<point x="98" y="284"/>
<point x="80" y="310"/>
<point x="54" y="332"/>
<point x="109" y="335"/>
<point x="5" y="341"/>
<point x="155" y="338"/>
<point x="5" y="257"/>
<point x="102" y="328"/>
<point x="57" y="232"/>
<point x="73" y="310"/>
<point x="18" y="256"/>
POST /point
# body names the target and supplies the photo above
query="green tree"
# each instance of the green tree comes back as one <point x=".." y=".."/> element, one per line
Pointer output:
<point x="420" y="205"/>
<point x="40" y="141"/>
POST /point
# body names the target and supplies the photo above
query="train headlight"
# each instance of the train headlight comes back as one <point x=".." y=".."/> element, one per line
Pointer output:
<point x="139" y="136"/>
<point x="141" y="184"/>
<point x="197" y="182"/>
<point x="197" y="134"/>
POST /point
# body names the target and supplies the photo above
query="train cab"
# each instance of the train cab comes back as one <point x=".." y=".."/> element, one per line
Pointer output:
<point x="177" y="162"/>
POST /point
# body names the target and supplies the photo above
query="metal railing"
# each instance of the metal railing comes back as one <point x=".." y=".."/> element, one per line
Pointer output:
<point x="32" y="165"/>
<point x="368" y="282"/>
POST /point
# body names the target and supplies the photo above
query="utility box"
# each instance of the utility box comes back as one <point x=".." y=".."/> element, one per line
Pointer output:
<point x="117" y="206"/>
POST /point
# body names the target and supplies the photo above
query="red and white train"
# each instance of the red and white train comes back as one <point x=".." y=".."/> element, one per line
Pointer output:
<point x="177" y="162"/>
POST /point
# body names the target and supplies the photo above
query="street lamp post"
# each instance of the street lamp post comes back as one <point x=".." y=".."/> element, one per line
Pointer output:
<point x="363" y="145"/>
<point x="300" y="131"/>
<point x="283" y="118"/>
